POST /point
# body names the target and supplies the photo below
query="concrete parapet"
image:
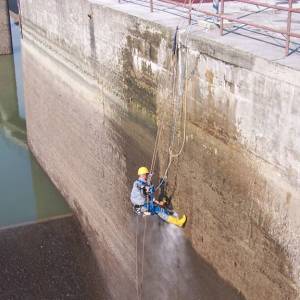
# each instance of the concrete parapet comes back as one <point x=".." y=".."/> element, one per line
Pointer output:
<point x="5" y="34"/>
<point x="239" y="177"/>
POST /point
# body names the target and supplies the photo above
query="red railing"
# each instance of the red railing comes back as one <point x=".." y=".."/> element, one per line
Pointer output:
<point x="188" y="4"/>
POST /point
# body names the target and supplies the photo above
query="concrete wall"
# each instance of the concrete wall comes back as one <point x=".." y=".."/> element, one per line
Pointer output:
<point x="5" y="36"/>
<point x="238" y="178"/>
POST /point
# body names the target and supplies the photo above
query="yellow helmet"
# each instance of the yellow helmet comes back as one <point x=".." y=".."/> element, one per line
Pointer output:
<point x="143" y="171"/>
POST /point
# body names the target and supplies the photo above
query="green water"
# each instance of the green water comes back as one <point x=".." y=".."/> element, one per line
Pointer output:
<point x="26" y="193"/>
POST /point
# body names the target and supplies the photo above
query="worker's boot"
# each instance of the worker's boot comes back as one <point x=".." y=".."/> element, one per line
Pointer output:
<point x="179" y="222"/>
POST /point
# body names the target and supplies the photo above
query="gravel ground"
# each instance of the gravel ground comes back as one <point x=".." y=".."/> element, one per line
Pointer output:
<point x="48" y="260"/>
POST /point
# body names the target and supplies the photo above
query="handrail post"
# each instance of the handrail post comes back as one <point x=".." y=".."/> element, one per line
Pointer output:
<point x="221" y="13"/>
<point x="288" y="30"/>
<point x="151" y="5"/>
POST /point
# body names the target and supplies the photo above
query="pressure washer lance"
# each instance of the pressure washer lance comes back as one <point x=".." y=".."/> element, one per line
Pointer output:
<point x="150" y="189"/>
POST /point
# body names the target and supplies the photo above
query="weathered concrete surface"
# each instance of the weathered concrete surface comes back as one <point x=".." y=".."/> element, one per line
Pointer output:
<point x="5" y="36"/>
<point x="239" y="177"/>
<point x="170" y="264"/>
<point x="49" y="260"/>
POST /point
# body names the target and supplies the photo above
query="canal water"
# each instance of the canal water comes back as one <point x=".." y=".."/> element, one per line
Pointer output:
<point x="26" y="192"/>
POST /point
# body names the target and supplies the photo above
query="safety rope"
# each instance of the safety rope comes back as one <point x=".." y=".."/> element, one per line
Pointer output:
<point x="155" y="150"/>
<point x="173" y="155"/>
<point x="160" y="130"/>
<point x="136" y="259"/>
<point x="143" y="256"/>
<point x="139" y="281"/>
<point x="174" y="67"/>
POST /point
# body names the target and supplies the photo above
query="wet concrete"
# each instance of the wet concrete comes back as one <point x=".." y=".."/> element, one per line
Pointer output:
<point x="171" y="268"/>
<point x="48" y="260"/>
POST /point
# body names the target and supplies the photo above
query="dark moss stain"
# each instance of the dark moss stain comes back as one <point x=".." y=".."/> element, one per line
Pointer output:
<point x="230" y="85"/>
<point x="150" y="40"/>
<point x="288" y="198"/>
<point x="92" y="36"/>
<point x="137" y="91"/>
<point x="140" y="86"/>
<point x="209" y="76"/>
<point x="138" y="125"/>
<point x="136" y="151"/>
<point x="153" y="53"/>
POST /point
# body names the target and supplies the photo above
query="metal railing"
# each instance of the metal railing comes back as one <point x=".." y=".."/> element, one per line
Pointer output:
<point x="190" y="8"/>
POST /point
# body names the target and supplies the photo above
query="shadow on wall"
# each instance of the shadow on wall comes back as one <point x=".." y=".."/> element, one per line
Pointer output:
<point x="13" y="6"/>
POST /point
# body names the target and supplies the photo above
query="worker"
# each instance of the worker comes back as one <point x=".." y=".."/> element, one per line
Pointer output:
<point x="144" y="202"/>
